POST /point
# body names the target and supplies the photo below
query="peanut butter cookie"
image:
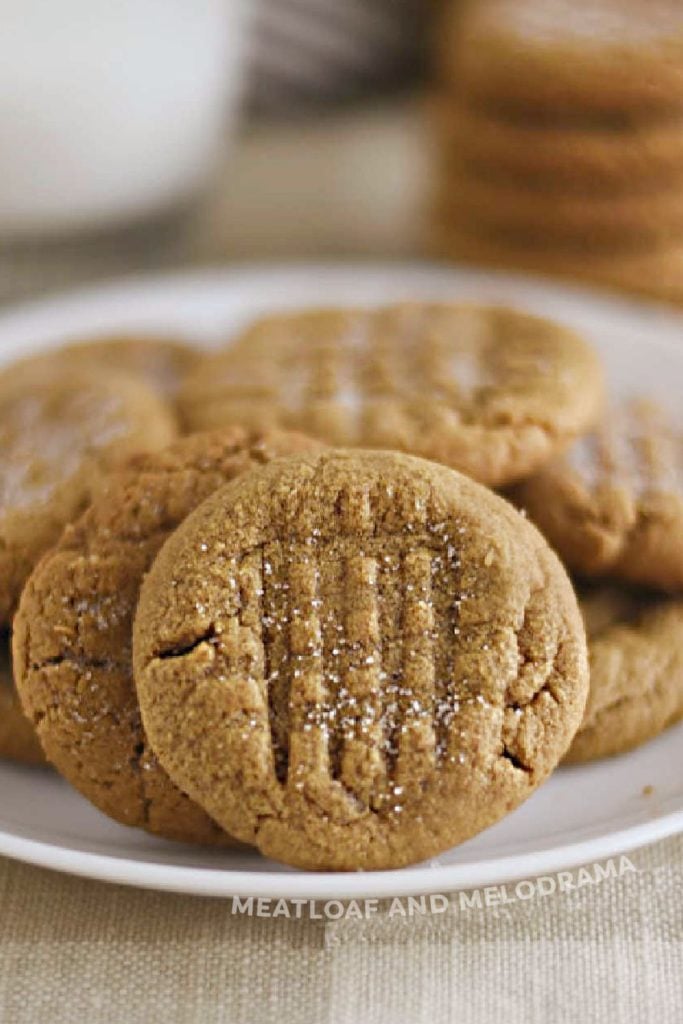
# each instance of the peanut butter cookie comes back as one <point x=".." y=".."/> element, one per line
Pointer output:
<point x="355" y="660"/>
<point x="72" y="639"/>
<point x="595" y="222"/>
<point x="635" y="647"/>
<point x="489" y="391"/>
<point x="58" y="431"/>
<point x="652" y="272"/>
<point x="607" y="61"/>
<point x="613" y="505"/>
<point x="560" y="158"/>
<point x="161" y="363"/>
<point x="18" y="741"/>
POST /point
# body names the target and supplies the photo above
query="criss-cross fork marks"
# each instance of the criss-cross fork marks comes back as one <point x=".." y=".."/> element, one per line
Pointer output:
<point x="352" y="657"/>
<point x="637" y="447"/>
<point x="349" y="372"/>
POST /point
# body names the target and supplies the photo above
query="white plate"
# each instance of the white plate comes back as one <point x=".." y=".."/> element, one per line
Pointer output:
<point x="582" y="814"/>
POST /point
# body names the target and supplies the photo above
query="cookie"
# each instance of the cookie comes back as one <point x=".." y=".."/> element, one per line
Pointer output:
<point x="490" y="391"/>
<point x="635" y="651"/>
<point x="18" y="741"/>
<point x="611" y="61"/>
<point x="655" y="273"/>
<point x="72" y="639"/>
<point x="58" y="431"/>
<point x="594" y="223"/>
<point x="160" y="362"/>
<point x="355" y="660"/>
<point x="558" y="158"/>
<point x="613" y="505"/>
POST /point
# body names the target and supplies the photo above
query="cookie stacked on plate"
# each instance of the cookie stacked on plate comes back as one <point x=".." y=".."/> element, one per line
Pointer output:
<point x="66" y="418"/>
<point x="612" y="507"/>
<point x="309" y="625"/>
<point x="560" y="129"/>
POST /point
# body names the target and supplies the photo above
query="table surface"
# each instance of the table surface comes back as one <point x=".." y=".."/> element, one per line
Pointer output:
<point x="609" y="949"/>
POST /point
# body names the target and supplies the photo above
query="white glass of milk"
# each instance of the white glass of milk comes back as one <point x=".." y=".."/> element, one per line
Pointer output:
<point x="111" y="110"/>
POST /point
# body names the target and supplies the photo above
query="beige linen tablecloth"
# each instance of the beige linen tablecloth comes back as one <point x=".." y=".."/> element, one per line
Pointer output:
<point x="610" y="949"/>
<point x="75" y="951"/>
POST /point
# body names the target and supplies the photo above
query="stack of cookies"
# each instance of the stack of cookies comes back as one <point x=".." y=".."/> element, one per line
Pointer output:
<point x="560" y="140"/>
<point x="310" y="625"/>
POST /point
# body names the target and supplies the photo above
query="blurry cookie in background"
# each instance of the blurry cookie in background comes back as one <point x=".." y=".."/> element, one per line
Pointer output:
<point x="652" y="273"/>
<point x="635" y="651"/>
<point x="559" y="133"/>
<point x="160" y="362"/>
<point x="59" y="429"/>
<point x="557" y="157"/>
<point x="575" y="59"/>
<point x="490" y="391"/>
<point x="612" y="506"/>
<point x="595" y="223"/>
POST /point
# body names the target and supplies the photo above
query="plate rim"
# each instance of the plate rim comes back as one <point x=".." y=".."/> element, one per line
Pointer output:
<point x="411" y="880"/>
<point x="314" y="885"/>
<point x="161" y="283"/>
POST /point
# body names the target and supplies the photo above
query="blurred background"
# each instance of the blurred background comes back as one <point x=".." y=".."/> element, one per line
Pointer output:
<point x="544" y="135"/>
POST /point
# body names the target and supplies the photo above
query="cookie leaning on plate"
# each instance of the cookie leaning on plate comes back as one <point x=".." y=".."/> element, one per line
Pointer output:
<point x="489" y="391"/>
<point x="613" y="505"/>
<point x="72" y="639"/>
<point x="636" y="666"/>
<point x="58" y="430"/>
<point x="18" y="741"/>
<point x="358" y="659"/>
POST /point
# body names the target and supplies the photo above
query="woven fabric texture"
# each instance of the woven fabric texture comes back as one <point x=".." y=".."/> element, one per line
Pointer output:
<point x="75" y="951"/>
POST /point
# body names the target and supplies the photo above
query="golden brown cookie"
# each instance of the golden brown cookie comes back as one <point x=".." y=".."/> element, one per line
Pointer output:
<point x="355" y="660"/>
<point x="555" y="158"/>
<point x="653" y="273"/>
<point x="635" y="647"/>
<point x="161" y="362"/>
<point x="72" y="639"/>
<point x="594" y="223"/>
<point x="18" y="740"/>
<point x="58" y="431"/>
<point x="613" y="505"/>
<point x="607" y="61"/>
<point x="489" y="391"/>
